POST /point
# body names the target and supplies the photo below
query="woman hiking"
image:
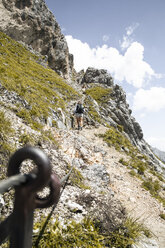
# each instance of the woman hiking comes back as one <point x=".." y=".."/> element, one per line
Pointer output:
<point x="79" y="114"/>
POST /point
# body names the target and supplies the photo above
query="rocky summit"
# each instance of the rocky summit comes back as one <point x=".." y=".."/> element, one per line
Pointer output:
<point x="115" y="195"/>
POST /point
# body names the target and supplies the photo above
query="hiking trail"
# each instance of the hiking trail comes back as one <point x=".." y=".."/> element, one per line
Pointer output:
<point x="137" y="201"/>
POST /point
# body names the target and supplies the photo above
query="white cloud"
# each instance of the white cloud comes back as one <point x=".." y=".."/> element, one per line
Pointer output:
<point x="131" y="29"/>
<point x="130" y="66"/>
<point x="151" y="100"/>
<point x="127" y="40"/>
<point x="105" y="38"/>
<point x="142" y="115"/>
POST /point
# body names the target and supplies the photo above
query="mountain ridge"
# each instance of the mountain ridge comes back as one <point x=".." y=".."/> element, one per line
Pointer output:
<point x="159" y="153"/>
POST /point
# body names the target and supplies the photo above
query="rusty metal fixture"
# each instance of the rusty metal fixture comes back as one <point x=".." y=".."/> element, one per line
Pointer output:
<point x="18" y="226"/>
<point x="54" y="195"/>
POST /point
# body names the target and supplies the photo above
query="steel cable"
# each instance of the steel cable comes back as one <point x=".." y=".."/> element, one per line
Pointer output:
<point x="15" y="180"/>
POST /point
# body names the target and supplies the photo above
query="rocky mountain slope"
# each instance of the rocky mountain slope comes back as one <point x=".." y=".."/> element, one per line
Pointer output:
<point x="32" y="23"/>
<point x="159" y="153"/>
<point x="100" y="187"/>
<point x="115" y="175"/>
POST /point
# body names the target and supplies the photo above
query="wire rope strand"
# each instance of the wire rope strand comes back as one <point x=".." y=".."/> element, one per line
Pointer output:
<point x="15" y="180"/>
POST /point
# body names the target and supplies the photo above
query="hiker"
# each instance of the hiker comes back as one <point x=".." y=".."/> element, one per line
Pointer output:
<point x="79" y="114"/>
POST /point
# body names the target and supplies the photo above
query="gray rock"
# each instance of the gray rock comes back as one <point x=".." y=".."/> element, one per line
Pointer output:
<point x="146" y="243"/>
<point x="93" y="75"/>
<point x="31" y="22"/>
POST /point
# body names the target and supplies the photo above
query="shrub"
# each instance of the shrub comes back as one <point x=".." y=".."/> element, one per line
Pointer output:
<point x="152" y="186"/>
<point x="26" y="139"/>
<point x="6" y="131"/>
<point x="132" y="173"/>
<point x="122" y="161"/>
<point x="70" y="235"/>
<point x="114" y="138"/>
<point x="87" y="234"/>
<point x="162" y="216"/>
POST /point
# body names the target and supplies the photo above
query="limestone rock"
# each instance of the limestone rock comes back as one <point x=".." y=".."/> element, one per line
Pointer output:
<point x="97" y="76"/>
<point x="31" y="22"/>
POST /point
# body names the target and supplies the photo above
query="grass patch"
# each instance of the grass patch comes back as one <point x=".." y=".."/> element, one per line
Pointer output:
<point x="100" y="94"/>
<point x="137" y="162"/>
<point x="25" y="139"/>
<point x="92" y="110"/>
<point x="114" y="138"/>
<point x="87" y="234"/>
<point x="71" y="235"/>
<point x="152" y="186"/>
<point x="127" y="234"/>
<point x="77" y="179"/>
<point x="6" y="131"/>
<point x="48" y="136"/>
<point x="162" y="216"/>
<point x="40" y="87"/>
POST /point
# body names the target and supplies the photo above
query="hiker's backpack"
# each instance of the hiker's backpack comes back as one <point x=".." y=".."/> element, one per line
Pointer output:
<point x="79" y="109"/>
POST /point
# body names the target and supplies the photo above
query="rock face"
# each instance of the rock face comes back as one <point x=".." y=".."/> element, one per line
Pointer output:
<point x="31" y="22"/>
<point x="159" y="153"/>
<point x="97" y="76"/>
<point x="116" y="111"/>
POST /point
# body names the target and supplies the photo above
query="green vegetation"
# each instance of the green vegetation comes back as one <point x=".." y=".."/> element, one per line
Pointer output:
<point x="48" y="136"/>
<point x="76" y="178"/>
<point x="153" y="172"/>
<point x="162" y="216"/>
<point x="87" y="234"/>
<point x="40" y="87"/>
<point x="99" y="94"/>
<point x="136" y="162"/>
<point x="26" y="139"/>
<point x="127" y="234"/>
<point x="92" y="110"/>
<point x="122" y="161"/>
<point x="120" y="128"/>
<point x="5" y="131"/>
<point x="152" y="186"/>
<point x="114" y="138"/>
<point x="71" y="235"/>
<point x="132" y="173"/>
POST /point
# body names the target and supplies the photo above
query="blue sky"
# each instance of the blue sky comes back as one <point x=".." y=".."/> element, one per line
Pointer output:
<point x="127" y="38"/>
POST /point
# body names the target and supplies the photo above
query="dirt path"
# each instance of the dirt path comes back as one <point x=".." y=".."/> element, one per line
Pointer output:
<point x="137" y="201"/>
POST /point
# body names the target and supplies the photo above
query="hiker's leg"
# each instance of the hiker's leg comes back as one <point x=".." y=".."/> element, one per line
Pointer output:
<point x="80" y="126"/>
<point x="81" y="121"/>
<point x="77" y="122"/>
